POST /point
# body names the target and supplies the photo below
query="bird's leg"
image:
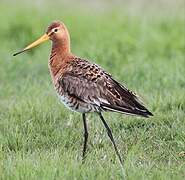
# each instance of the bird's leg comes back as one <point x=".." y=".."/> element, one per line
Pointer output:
<point x="85" y="136"/>
<point x="111" y="137"/>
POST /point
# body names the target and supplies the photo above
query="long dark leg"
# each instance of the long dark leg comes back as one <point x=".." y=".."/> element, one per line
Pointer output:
<point x="85" y="136"/>
<point x="111" y="137"/>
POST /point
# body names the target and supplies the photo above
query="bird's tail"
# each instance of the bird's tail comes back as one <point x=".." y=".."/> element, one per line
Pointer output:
<point x="135" y="111"/>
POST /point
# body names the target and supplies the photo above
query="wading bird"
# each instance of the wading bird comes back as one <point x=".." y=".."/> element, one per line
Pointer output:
<point x="85" y="87"/>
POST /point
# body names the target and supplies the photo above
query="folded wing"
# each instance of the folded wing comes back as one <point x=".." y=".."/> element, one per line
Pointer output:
<point x="92" y="85"/>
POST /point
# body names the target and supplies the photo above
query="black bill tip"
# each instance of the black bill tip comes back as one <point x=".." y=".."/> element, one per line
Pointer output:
<point x="15" y="54"/>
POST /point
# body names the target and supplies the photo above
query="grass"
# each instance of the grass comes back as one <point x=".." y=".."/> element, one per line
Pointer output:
<point x="40" y="139"/>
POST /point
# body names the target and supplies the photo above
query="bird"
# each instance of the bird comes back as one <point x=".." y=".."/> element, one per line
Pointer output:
<point x="85" y="87"/>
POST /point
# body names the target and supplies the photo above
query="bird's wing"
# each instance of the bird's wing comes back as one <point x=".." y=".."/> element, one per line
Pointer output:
<point x="89" y="83"/>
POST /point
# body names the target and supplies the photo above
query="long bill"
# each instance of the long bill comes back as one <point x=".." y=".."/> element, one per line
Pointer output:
<point x="42" y="39"/>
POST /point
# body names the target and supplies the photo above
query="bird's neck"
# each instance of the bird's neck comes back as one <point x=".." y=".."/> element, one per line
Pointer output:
<point x="59" y="51"/>
<point x="60" y="55"/>
<point x="61" y="47"/>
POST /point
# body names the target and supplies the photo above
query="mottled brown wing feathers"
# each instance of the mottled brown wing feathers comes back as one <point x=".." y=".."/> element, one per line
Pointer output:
<point x="89" y="83"/>
<point x="79" y="87"/>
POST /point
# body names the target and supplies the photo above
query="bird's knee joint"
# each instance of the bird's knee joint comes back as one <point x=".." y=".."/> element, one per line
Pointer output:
<point x="109" y="134"/>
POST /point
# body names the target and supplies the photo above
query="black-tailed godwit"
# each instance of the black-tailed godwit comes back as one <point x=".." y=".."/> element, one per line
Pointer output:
<point x="85" y="87"/>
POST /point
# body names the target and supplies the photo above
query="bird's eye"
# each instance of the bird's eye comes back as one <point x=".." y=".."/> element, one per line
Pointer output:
<point x="55" y="30"/>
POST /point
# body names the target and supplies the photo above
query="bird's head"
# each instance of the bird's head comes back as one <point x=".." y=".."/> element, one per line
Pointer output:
<point x="56" y="32"/>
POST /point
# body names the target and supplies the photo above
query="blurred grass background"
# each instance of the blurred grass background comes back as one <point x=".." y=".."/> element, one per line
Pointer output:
<point x="141" y="43"/>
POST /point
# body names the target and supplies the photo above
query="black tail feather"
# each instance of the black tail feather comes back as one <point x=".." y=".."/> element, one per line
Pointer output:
<point x="140" y="112"/>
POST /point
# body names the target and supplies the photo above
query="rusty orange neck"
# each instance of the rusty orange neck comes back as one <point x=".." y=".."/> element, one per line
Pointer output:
<point x="59" y="58"/>
<point x="60" y="50"/>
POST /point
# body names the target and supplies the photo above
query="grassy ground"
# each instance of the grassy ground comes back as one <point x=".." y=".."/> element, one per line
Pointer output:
<point x="40" y="139"/>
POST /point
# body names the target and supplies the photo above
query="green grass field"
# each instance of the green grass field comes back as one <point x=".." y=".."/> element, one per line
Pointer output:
<point x="142" y="48"/>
